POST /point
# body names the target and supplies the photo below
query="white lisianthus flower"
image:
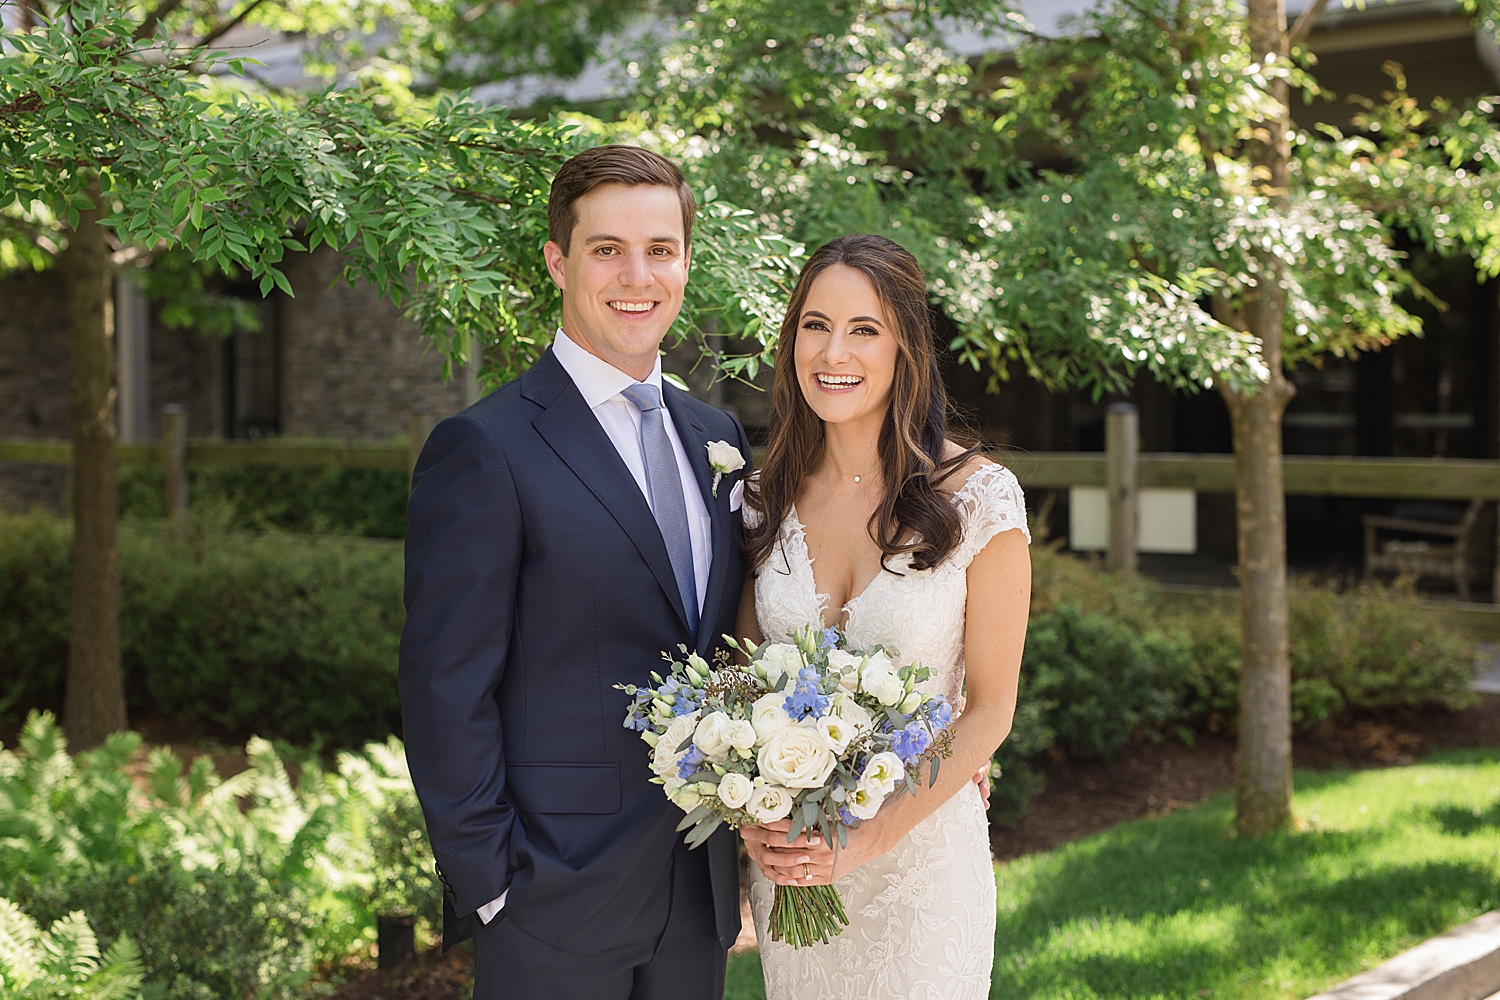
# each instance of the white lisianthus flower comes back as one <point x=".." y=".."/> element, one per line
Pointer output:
<point x="837" y="732"/>
<point x="768" y="803"/>
<point x="735" y="790"/>
<point x="664" y="757"/>
<point x="796" y="757"/>
<point x="891" y="691"/>
<point x="913" y="702"/>
<point x="712" y="735"/>
<point x="882" y="772"/>
<point x="687" y="798"/>
<point x="768" y="715"/>
<point x="847" y="664"/>
<point x="865" y="801"/>
<point x="779" y="659"/>
<point x="852" y="712"/>
<point x="878" y="667"/>
<point x="741" y="734"/>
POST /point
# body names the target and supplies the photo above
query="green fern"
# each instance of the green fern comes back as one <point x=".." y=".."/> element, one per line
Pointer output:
<point x="64" y="961"/>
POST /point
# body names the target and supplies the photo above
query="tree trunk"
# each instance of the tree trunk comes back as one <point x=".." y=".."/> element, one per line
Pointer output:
<point x="1263" y="779"/>
<point x="95" y="702"/>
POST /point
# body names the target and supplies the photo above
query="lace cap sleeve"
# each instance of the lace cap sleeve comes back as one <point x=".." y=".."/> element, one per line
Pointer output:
<point x="990" y="501"/>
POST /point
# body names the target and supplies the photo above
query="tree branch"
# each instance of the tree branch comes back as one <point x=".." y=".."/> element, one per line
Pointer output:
<point x="230" y="24"/>
<point x="148" y="26"/>
<point x="1304" y="23"/>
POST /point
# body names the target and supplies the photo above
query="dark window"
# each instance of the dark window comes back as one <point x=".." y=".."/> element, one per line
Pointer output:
<point x="253" y="371"/>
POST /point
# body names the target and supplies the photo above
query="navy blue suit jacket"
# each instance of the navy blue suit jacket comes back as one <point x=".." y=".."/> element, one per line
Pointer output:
<point x="536" y="580"/>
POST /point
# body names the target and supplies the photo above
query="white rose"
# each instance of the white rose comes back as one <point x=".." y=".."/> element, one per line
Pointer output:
<point x="837" y="732"/>
<point x="664" y="757"/>
<point x="712" y="735"/>
<point x="779" y="659"/>
<point x="877" y="668"/>
<point x="913" y="702"/>
<point x="741" y="734"/>
<point x="796" y="757"/>
<point x="725" y="457"/>
<point x="866" y="800"/>
<point x="735" y="789"/>
<point x="891" y="690"/>
<point x="854" y="713"/>
<point x="882" y="772"/>
<point x="768" y="803"/>
<point x="847" y="664"/>
<point x="768" y="715"/>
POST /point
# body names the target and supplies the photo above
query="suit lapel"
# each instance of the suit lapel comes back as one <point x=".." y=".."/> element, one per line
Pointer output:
<point x="570" y="428"/>
<point x="695" y="443"/>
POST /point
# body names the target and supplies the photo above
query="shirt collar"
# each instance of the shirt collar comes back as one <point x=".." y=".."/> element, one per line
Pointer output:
<point x="596" y="379"/>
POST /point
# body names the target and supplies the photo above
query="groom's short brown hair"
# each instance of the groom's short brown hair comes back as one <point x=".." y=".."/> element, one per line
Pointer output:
<point x="628" y="165"/>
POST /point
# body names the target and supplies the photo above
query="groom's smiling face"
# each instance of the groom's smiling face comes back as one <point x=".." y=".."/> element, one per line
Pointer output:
<point x="624" y="274"/>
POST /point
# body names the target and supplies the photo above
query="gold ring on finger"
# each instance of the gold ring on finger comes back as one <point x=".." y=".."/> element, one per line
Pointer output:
<point x="807" y="872"/>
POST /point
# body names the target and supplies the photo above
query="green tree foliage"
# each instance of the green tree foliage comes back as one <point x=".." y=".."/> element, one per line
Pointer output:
<point x="115" y="145"/>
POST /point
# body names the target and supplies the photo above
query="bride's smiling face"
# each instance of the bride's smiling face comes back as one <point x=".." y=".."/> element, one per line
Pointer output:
<point x="846" y="348"/>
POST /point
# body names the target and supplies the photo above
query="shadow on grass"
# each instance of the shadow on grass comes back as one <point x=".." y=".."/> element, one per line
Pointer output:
<point x="1466" y="822"/>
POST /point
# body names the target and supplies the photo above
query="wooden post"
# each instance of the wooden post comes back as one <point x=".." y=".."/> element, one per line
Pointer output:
<point x="174" y="451"/>
<point x="1121" y="459"/>
<point x="395" y="939"/>
<point x="421" y="426"/>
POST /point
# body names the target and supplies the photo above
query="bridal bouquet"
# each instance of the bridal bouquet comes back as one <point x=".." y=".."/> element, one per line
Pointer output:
<point x="810" y="731"/>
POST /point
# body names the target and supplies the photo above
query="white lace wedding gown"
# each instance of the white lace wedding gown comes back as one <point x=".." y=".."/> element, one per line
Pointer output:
<point x="921" y="918"/>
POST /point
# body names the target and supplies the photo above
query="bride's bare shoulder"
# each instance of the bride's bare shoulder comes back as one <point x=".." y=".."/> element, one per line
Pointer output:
<point x="955" y="479"/>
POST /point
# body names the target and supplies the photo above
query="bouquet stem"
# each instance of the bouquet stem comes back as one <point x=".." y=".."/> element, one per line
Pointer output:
<point x="803" y="915"/>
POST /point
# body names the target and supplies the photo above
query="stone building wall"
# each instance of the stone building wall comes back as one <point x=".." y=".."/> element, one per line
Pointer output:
<point x="33" y="384"/>
<point x="352" y="367"/>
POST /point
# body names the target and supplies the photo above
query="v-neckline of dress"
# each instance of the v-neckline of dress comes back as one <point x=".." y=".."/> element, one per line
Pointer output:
<point x="820" y="599"/>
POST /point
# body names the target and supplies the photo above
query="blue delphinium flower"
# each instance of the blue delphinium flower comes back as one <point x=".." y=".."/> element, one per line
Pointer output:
<point x="681" y="695"/>
<point x="805" y="698"/>
<point x="911" y="742"/>
<point x="848" y="817"/>
<point x="940" y="712"/>
<point x="688" y="765"/>
<point x="830" y="638"/>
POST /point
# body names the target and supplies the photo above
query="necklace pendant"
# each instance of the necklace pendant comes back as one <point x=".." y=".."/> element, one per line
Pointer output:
<point x="856" y="479"/>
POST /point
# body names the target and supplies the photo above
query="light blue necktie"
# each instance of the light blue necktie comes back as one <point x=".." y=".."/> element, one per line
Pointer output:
<point x="667" y="502"/>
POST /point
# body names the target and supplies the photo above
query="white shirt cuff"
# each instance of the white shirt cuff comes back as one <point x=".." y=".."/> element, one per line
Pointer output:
<point x="488" y="910"/>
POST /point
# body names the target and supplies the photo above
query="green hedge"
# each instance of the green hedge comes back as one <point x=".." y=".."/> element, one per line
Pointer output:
<point x="365" y="502"/>
<point x="280" y="634"/>
<point x="1106" y="658"/>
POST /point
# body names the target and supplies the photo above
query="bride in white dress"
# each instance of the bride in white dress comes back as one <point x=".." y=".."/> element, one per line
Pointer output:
<point x="866" y="514"/>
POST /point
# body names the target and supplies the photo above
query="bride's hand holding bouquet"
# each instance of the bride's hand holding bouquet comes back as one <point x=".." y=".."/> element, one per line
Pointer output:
<point x="801" y="745"/>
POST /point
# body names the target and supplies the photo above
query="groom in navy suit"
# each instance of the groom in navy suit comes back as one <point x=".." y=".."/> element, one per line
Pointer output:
<point x="562" y="533"/>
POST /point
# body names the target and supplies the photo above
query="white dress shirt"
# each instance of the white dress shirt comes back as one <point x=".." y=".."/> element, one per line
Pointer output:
<point x="602" y="385"/>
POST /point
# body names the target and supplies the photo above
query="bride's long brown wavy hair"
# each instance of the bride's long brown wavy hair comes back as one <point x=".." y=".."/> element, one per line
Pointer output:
<point x="913" y="516"/>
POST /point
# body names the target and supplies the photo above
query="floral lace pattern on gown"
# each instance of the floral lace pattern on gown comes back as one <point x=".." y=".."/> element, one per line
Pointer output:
<point x="922" y="917"/>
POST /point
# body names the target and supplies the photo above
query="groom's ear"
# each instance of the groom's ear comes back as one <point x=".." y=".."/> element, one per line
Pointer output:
<point x="553" y="254"/>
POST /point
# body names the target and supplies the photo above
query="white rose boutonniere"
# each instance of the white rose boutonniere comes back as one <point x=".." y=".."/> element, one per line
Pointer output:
<point x="723" y="458"/>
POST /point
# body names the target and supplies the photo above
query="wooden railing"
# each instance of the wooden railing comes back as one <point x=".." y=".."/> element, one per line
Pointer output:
<point x="1396" y="478"/>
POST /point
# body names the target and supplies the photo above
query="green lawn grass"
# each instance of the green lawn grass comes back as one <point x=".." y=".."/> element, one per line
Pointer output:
<point x="1177" y="906"/>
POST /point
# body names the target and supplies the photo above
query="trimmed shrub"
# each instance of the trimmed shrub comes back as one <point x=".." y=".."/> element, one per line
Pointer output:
<point x="241" y="633"/>
<point x="366" y="502"/>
